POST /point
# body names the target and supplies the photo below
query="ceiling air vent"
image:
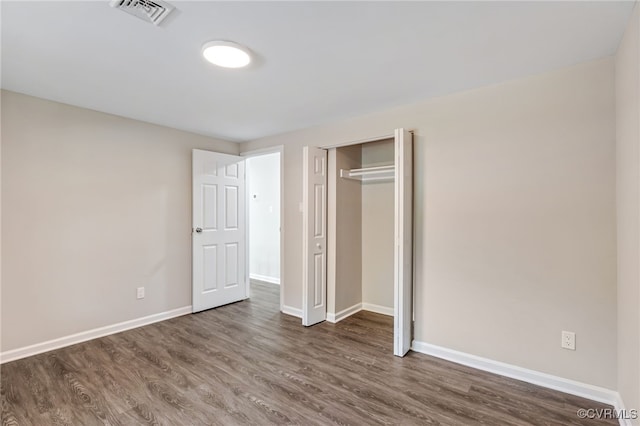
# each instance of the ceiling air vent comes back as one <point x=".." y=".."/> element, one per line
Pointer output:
<point x="151" y="11"/>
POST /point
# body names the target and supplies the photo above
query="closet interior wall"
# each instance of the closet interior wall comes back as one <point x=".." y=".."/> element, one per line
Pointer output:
<point x="347" y="278"/>
<point x="361" y="265"/>
<point x="378" y="219"/>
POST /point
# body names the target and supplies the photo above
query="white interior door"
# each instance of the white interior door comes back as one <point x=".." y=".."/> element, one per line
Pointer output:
<point x="219" y="227"/>
<point x="314" y="206"/>
<point x="403" y="259"/>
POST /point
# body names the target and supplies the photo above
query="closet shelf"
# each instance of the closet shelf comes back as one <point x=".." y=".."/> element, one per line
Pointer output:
<point x="368" y="174"/>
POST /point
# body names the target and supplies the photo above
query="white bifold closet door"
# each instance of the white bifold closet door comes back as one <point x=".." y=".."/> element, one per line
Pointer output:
<point x="219" y="226"/>
<point x="403" y="251"/>
<point x="314" y="201"/>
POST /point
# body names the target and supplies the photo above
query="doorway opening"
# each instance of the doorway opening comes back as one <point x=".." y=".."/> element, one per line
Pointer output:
<point x="223" y="201"/>
<point x="263" y="178"/>
<point x="361" y="216"/>
<point x="333" y="262"/>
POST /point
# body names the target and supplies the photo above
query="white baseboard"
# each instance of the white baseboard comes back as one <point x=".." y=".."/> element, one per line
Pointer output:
<point x="334" y="318"/>
<point x="292" y="311"/>
<point x="265" y="278"/>
<point x="561" y="384"/>
<point x="83" y="336"/>
<point x="620" y="408"/>
<point x="377" y="309"/>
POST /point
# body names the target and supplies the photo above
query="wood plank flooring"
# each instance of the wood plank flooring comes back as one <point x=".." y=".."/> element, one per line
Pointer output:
<point x="248" y="364"/>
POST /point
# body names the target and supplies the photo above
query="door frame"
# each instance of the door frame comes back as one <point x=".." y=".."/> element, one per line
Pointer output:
<point x="256" y="153"/>
<point x="331" y="229"/>
<point x="360" y="141"/>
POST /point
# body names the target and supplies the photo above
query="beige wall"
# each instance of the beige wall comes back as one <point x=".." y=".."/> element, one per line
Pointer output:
<point x="378" y="153"/>
<point x="377" y="243"/>
<point x="377" y="228"/>
<point x="94" y="206"/>
<point x="628" y="203"/>
<point x="514" y="217"/>
<point x="348" y="258"/>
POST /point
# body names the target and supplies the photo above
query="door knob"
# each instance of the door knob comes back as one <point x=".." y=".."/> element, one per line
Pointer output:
<point x="198" y="230"/>
<point x="319" y="246"/>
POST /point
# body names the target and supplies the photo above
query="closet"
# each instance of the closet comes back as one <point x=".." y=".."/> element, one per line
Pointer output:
<point x="357" y="248"/>
<point x="361" y="193"/>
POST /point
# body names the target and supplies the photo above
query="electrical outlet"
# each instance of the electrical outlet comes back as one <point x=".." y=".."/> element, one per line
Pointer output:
<point x="569" y="340"/>
<point x="140" y="292"/>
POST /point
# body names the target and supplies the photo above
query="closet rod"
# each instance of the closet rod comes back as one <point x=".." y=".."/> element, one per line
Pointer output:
<point x="377" y="173"/>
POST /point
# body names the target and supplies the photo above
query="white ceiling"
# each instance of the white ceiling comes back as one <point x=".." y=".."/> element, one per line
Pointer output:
<point x="317" y="61"/>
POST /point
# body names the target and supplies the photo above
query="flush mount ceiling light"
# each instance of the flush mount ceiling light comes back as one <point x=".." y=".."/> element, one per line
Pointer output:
<point x="226" y="54"/>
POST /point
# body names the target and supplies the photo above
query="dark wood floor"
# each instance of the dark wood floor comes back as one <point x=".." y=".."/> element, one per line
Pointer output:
<point x="246" y="363"/>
